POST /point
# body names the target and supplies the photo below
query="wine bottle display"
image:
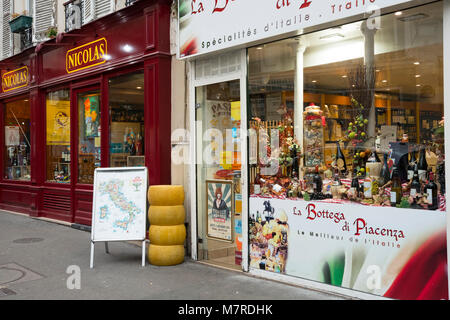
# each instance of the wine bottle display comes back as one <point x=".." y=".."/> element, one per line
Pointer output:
<point x="385" y="175"/>
<point x="340" y="160"/>
<point x="422" y="165"/>
<point x="412" y="162"/>
<point x="415" y="184"/>
<point x="431" y="192"/>
<point x="396" y="188"/>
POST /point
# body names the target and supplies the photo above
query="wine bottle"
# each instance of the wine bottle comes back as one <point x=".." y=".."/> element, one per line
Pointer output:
<point x="411" y="164"/>
<point x="373" y="165"/>
<point x="317" y="182"/>
<point x="355" y="185"/>
<point x="422" y="165"/>
<point x="416" y="186"/>
<point x="431" y="192"/>
<point x="340" y="160"/>
<point x="257" y="185"/>
<point x="385" y="175"/>
<point x="396" y="188"/>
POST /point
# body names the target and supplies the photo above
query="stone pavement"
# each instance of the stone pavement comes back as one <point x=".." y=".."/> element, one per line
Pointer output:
<point x="36" y="255"/>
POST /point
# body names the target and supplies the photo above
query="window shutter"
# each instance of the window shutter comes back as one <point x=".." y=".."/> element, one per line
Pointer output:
<point x="6" y="30"/>
<point x="43" y="18"/>
<point x="102" y="8"/>
<point x="88" y="11"/>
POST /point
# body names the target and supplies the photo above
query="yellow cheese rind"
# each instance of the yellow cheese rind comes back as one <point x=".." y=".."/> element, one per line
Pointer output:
<point x="165" y="255"/>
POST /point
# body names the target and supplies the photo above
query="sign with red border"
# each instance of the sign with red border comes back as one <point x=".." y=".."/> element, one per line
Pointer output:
<point x="15" y="79"/>
<point x="86" y="56"/>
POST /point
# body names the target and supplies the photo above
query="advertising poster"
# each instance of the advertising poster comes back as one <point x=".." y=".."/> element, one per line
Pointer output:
<point x="204" y="25"/>
<point x="396" y="253"/>
<point x="12" y="136"/>
<point x="91" y="115"/>
<point x="219" y="209"/>
<point x="58" y="122"/>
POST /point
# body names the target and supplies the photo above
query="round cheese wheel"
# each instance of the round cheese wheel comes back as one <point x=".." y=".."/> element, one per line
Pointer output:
<point x="166" y="195"/>
<point x="165" y="255"/>
<point x="167" y="235"/>
<point x="166" y="215"/>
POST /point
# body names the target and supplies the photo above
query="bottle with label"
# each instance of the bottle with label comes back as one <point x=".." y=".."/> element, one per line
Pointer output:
<point x="431" y="191"/>
<point x="367" y="188"/>
<point x="317" y="182"/>
<point x="257" y="185"/>
<point x="336" y="186"/>
<point x="385" y="175"/>
<point x="396" y="188"/>
<point x="340" y="160"/>
<point x="422" y="165"/>
<point x="416" y="186"/>
<point x="355" y="185"/>
<point x="373" y="165"/>
<point x="411" y="164"/>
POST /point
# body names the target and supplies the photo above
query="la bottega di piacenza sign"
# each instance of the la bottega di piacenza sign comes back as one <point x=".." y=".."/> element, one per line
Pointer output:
<point x="210" y="25"/>
<point x="86" y="56"/>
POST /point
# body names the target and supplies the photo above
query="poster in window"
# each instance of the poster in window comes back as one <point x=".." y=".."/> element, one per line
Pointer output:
<point x="12" y="136"/>
<point x="91" y="115"/>
<point x="219" y="210"/>
<point x="58" y="122"/>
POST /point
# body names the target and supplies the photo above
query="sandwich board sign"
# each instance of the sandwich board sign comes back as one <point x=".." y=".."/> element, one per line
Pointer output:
<point x="119" y="207"/>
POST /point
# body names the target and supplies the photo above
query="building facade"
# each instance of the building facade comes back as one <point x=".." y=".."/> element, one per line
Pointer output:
<point x="318" y="141"/>
<point x="95" y="95"/>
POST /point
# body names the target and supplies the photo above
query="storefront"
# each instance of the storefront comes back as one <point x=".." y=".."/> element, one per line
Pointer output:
<point x="93" y="97"/>
<point x="318" y="141"/>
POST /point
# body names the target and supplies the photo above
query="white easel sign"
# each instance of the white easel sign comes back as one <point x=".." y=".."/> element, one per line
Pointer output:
<point x="119" y="207"/>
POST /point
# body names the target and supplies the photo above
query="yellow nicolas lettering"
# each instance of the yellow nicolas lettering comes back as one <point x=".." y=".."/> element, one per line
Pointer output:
<point x="86" y="56"/>
<point x="15" y="79"/>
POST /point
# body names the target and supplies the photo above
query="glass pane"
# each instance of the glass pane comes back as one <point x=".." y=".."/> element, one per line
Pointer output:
<point x="218" y="174"/>
<point x="58" y="136"/>
<point x="88" y="135"/>
<point x="17" y="140"/>
<point x="355" y="110"/>
<point x="126" y="107"/>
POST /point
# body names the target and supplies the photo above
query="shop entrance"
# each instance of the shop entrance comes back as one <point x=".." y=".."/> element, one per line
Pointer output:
<point x="218" y="170"/>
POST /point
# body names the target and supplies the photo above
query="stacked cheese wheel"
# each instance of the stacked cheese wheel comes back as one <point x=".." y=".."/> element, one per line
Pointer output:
<point x="167" y="230"/>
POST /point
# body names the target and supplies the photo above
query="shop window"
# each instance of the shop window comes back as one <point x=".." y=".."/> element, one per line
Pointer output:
<point x="58" y="136"/>
<point x="89" y="156"/>
<point x="17" y="140"/>
<point x="126" y="107"/>
<point x="351" y="124"/>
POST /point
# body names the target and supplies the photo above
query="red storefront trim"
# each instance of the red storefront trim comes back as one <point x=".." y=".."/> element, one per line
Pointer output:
<point x="72" y="202"/>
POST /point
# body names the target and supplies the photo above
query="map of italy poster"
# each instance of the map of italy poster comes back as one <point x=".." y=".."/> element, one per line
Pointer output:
<point x="120" y="204"/>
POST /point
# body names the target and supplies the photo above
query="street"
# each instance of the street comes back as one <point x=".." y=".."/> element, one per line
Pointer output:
<point x="41" y="260"/>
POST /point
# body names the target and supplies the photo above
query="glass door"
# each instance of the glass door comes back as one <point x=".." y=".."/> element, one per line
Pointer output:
<point x="218" y="170"/>
<point x="89" y="139"/>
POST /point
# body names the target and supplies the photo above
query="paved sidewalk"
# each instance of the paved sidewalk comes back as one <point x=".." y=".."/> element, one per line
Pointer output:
<point x="35" y="255"/>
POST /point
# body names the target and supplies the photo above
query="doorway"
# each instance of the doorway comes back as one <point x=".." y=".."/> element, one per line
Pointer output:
<point x="219" y="190"/>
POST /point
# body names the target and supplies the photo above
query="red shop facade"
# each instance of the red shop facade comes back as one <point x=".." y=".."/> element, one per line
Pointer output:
<point x="98" y="96"/>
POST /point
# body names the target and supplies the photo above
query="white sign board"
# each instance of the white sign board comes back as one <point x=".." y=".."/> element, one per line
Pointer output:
<point x="119" y="207"/>
<point x="210" y="25"/>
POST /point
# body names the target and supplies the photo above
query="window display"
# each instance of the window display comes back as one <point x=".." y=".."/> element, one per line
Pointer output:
<point x="126" y="105"/>
<point x="17" y="140"/>
<point x="58" y="136"/>
<point x="89" y="144"/>
<point x="368" y="128"/>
